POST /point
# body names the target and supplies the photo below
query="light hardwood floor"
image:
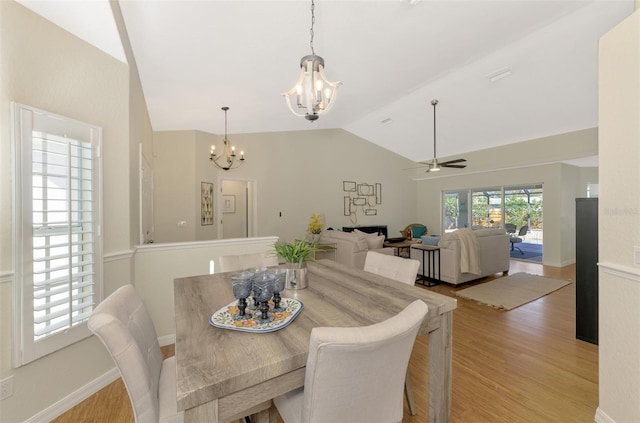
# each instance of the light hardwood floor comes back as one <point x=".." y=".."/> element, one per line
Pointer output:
<point x="522" y="365"/>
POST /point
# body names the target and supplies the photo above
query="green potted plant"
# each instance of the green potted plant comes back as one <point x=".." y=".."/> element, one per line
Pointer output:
<point x="295" y="253"/>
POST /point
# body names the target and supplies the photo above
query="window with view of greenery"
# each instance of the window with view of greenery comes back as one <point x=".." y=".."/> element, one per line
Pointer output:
<point x="523" y="206"/>
<point x="494" y="207"/>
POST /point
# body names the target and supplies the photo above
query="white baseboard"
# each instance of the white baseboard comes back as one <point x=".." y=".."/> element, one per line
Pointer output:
<point x="75" y="398"/>
<point x="602" y="417"/>
<point x="558" y="264"/>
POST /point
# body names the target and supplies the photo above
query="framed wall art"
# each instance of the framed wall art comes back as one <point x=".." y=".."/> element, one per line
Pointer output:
<point x="348" y="186"/>
<point x="228" y="204"/>
<point x="363" y="196"/>
<point x="206" y="203"/>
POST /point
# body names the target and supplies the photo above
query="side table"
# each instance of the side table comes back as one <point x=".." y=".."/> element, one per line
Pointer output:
<point x="430" y="275"/>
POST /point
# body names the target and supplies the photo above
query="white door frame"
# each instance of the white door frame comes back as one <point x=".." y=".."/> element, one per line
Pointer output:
<point x="252" y="206"/>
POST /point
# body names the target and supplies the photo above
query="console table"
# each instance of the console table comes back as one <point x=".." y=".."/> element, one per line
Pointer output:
<point x="370" y="229"/>
<point x="430" y="275"/>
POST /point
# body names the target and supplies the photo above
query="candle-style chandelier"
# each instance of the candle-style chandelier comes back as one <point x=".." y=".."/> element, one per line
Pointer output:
<point x="227" y="159"/>
<point x="314" y="93"/>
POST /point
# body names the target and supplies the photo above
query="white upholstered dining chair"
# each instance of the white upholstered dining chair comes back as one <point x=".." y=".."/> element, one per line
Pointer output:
<point x="125" y="328"/>
<point x="230" y="263"/>
<point x="392" y="267"/>
<point x="401" y="270"/>
<point x="355" y="374"/>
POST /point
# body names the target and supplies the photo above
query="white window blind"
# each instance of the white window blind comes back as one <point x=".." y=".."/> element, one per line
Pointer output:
<point x="58" y="240"/>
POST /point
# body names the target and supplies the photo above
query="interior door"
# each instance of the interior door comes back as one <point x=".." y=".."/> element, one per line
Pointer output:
<point x="238" y="208"/>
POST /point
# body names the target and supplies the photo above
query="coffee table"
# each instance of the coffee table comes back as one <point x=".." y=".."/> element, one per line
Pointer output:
<point x="401" y="246"/>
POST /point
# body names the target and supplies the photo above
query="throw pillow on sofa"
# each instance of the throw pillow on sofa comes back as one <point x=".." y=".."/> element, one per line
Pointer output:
<point x="430" y="239"/>
<point x="374" y="241"/>
<point x="418" y="231"/>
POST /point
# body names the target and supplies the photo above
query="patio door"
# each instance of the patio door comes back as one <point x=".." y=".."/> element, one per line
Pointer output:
<point x="456" y="210"/>
<point x="523" y="206"/>
<point x="486" y="208"/>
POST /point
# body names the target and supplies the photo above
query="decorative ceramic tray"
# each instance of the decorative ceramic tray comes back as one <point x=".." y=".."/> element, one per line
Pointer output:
<point x="224" y="319"/>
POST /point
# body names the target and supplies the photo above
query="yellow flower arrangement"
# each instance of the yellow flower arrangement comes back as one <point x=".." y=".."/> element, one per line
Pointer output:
<point x="315" y="225"/>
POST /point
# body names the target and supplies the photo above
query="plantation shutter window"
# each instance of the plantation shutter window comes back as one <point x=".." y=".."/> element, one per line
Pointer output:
<point x="58" y="251"/>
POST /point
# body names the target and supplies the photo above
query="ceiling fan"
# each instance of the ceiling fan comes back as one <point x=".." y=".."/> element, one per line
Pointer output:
<point x="434" y="165"/>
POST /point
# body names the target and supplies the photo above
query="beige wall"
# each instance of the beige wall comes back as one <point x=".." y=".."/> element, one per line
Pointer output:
<point x="619" y="223"/>
<point x="140" y="133"/>
<point x="48" y="68"/>
<point x="297" y="174"/>
<point x="175" y="186"/>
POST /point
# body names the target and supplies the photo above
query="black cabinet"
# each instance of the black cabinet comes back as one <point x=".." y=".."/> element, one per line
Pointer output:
<point x="370" y="229"/>
<point x="587" y="269"/>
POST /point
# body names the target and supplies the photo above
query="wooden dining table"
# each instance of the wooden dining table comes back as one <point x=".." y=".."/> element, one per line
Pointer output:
<point x="223" y="375"/>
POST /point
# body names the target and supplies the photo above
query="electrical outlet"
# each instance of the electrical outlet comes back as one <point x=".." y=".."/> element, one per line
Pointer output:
<point x="6" y="387"/>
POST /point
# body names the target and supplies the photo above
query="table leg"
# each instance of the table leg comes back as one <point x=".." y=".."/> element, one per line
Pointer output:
<point x="439" y="267"/>
<point x="424" y="275"/>
<point x="440" y="369"/>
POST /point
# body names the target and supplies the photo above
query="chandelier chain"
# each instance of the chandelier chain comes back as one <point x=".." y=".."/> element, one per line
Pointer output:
<point x="313" y="21"/>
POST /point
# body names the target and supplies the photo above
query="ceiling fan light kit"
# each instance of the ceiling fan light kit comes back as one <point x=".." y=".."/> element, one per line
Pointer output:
<point x="314" y="94"/>
<point x="434" y="165"/>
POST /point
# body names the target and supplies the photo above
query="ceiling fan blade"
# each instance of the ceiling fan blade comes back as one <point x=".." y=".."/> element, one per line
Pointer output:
<point x="457" y="166"/>
<point x="453" y="161"/>
<point x="417" y="167"/>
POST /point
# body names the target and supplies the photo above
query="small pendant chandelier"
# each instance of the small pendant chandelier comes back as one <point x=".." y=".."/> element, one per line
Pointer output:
<point x="227" y="159"/>
<point x="314" y="93"/>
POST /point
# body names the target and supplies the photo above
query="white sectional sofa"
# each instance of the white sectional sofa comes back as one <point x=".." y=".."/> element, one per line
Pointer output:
<point x="492" y="255"/>
<point x="352" y="247"/>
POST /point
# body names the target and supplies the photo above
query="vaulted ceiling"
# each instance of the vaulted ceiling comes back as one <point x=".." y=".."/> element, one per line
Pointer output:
<point x="393" y="58"/>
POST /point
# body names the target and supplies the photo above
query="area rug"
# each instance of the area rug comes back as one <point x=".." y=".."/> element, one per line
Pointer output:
<point x="529" y="252"/>
<point x="512" y="291"/>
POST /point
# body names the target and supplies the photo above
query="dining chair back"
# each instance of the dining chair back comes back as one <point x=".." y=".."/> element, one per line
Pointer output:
<point x="393" y="267"/>
<point x="401" y="270"/>
<point x="231" y="263"/>
<point x="355" y="374"/>
<point x="125" y="328"/>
